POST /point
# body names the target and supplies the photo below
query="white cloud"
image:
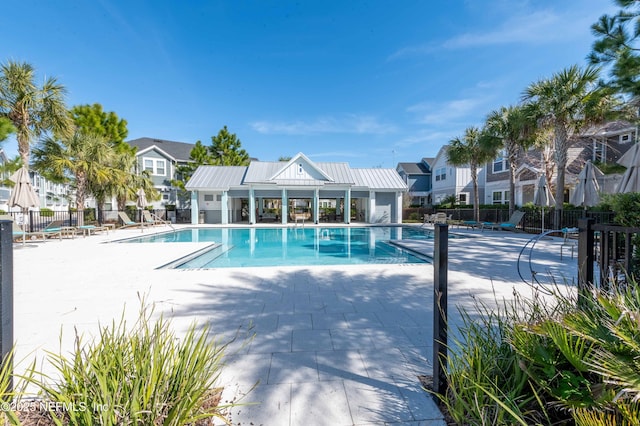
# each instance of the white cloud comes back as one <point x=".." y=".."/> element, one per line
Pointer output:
<point x="351" y="124"/>
<point x="447" y="112"/>
<point x="545" y="26"/>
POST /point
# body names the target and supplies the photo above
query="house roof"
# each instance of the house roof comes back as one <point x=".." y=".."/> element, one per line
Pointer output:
<point x="378" y="179"/>
<point x="283" y="174"/>
<point x="216" y="177"/>
<point x="180" y="151"/>
<point x="414" y="168"/>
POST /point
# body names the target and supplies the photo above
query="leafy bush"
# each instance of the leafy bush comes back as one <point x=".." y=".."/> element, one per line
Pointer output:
<point x="550" y="363"/>
<point x="143" y="375"/>
<point x="45" y="212"/>
<point x="485" y="382"/>
<point x="626" y="206"/>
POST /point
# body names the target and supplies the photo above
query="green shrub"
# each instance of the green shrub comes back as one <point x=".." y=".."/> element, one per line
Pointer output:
<point x="143" y="375"/>
<point x="414" y="216"/>
<point x="549" y="363"/>
<point x="486" y="385"/>
<point x="45" y="212"/>
<point x="7" y="395"/>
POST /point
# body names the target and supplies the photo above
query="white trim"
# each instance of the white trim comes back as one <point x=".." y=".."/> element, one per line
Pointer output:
<point x="160" y="150"/>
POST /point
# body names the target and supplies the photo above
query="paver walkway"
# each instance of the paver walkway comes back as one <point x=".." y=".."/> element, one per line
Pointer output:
<point x="332" y="345"/>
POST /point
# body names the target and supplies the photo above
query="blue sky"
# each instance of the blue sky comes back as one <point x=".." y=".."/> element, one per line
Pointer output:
<point x="371" y="83"/>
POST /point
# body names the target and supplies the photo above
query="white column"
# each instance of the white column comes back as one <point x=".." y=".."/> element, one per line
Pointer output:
<point x="224" y="208"/>
<point x="194" y="207"/>
<point x="372" y="206"/>
<point x="285" y="206"/>
<point x="316" y="205"/>
<point x="252" y="207"/>
<point x="347" y="206"/>
<point x="398" y="207"/>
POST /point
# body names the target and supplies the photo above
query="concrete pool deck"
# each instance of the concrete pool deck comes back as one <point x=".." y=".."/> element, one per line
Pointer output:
<point x="333" y="345"/>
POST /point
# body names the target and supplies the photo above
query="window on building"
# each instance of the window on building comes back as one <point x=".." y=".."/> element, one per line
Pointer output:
<point x="500" y="164"/>
<point x="462" y="198"/>
<point x="497" y="197"/>
<point x="165" y="197"/>
<point x="156" y="167"/>
<point x="219" y="197"/>
<point x="626" y="138"/>
<point x="500" y="197"/>
<point x="599" y="152"/>
<point x="300" y="169"/>
<point x="441" y="173"/>
<point x="208" y="197"/>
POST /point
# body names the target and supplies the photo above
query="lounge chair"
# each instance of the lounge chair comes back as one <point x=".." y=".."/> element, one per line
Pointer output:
<point x="127" y="222"/>
<point x="54" y="229"/>
<point x="510" y="225"/>
<point x="92" y="229"/>
<point x="16" y="230"/>
<point x="569" y="240"/>
<point x="152" y="219"/>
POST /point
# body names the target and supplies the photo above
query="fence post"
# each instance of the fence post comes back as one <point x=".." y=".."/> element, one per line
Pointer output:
<point x="6" y="296"/>
<point x="440" y="264"/>
<point x="585" y="256"/>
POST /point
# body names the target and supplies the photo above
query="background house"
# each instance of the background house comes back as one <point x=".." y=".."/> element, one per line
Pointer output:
<point x="417" y="177"/>
<point x="160" y="158"/>
<point x="602" y="145"/>
<point x="450" y="180"/>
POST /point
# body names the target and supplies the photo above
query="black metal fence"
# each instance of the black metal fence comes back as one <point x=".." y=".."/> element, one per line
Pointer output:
<point x="607" y="254"/>
<point x="37" y="220"/>
<point x="532" y="221"/>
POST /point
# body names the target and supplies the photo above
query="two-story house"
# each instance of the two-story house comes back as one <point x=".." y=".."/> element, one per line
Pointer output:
<point x="450" y="180"/>
<point x="602" y="145"/>
<point x="417" y="176"/>
<point x="160" y="158"/>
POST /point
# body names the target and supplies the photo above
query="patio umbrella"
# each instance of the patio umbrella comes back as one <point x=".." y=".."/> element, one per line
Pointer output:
<point x="23" y="195"/>
<point x="141" y="202"/>
<point x="586" y="192"/>
<point x="543" y="196"/>
<point x="631" y="178"/>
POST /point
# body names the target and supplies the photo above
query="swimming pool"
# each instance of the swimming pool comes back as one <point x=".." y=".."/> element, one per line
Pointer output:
<point x="240" y="247"/>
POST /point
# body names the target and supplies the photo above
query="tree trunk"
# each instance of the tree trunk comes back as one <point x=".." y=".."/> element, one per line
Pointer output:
<point x="561" y="150"/>
<point x="513" y="158"/>
<point x="476" y="196"/>
<point x="23" y="149"/>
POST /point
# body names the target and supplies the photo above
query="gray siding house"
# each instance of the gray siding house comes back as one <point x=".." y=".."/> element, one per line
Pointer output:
<point x="160" y="157"/>
<point x="417" y="177"/>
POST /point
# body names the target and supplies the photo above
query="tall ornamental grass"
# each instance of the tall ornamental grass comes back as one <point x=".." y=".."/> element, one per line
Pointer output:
<point x="142" y="375"/>
<point x="549" y="363"/>
<point x="486" y="385"/>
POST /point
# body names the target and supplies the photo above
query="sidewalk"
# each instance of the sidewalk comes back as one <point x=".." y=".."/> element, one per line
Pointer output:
<point x="332" y="345"/>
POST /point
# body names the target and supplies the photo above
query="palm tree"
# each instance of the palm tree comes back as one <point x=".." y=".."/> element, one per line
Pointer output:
<point x="511" y="129"/>
<point x="569" y="102"/>
<point x="474" y="149"/>
<point x="33" y="110"/>
<point x="83" y="156"/>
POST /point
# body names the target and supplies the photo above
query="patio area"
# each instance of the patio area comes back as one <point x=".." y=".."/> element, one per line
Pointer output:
<point x="331" y="345"/>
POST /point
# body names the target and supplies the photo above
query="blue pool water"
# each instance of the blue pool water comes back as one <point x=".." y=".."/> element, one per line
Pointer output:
<point x="239" y="247"/>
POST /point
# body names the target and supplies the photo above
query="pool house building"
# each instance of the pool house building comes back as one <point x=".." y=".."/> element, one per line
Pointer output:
<point x="297" y="191"/>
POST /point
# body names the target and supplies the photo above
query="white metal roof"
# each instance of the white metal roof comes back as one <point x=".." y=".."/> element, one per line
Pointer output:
<point x="378" y="179"/>
<point x="262" y="172"/>
<point x="216" y="178"/>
